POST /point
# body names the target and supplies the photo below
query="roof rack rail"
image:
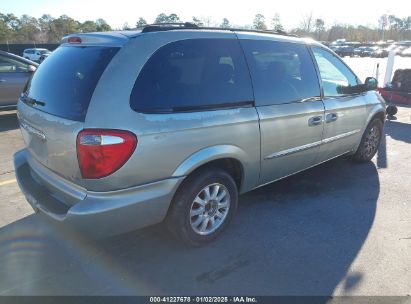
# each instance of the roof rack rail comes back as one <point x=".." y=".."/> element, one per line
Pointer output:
<point x="158" y="27"/>
<point x="249" y="30"/>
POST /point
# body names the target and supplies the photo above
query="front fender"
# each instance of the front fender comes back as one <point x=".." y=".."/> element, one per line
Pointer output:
<point x="372" y="110"/>
<point x="375" y="108"/>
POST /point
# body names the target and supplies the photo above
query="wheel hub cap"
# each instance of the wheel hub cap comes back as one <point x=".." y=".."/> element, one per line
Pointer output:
<point x="209" y="209"/>
<point x="372" y="141"/>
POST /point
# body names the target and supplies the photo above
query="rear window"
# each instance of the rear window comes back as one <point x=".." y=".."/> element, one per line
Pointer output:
<point x="192" y="75"/>
<point x="64" y="83"/>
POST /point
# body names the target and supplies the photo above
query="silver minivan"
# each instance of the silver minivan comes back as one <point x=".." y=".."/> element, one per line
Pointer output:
<point x="171" y="123"/>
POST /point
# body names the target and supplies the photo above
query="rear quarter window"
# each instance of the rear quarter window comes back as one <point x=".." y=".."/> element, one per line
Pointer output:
<point x="65" y="82"/>
<point x="192" y="75"/>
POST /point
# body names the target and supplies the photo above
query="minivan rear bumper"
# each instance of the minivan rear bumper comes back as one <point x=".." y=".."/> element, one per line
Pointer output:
<point x="97" y="213"/>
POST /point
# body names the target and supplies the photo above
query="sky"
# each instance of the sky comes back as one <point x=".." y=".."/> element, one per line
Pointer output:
<point x="118" y="12"/>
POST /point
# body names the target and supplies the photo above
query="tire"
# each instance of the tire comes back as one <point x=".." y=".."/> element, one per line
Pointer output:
<point x="370" y="141"/>
<point x="189" y="217"/>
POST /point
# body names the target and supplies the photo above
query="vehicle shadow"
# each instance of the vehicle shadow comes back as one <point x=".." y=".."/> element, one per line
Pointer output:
<point x="8" y="121"/>
<point x="297" y="236"/>
<point x="399" y="130"/>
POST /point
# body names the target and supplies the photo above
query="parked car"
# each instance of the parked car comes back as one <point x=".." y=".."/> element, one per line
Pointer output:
<point x="369" y="51"/>
<point x="360" y="51"/>
<point x="34" y="54"/>
<point x="125" y="130"/>
<point x="14" y="74"/>
<point x="379" y="53"/>
<point x="398" y="49"/>
<point x="406" y="52"/>
<point x="44" y="57"/>
<point x="345" y="51"/>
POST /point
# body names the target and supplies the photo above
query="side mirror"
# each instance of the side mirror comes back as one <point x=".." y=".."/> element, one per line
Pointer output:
<point x="32" y="69"/>
<point x="370" y="84"/>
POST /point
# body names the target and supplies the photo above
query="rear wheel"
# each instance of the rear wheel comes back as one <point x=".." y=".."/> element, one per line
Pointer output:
<point x="370" y="141"/>
<point x="203" y="206"/>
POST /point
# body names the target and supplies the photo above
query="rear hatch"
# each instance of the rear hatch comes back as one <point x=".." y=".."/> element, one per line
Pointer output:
<point x="53" y="108"/>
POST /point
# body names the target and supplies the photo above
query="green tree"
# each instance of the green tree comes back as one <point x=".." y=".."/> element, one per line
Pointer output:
<point x="5" y="31"/>
<point x="63" y="26"/>
<point x="47" y="28"/>
<point x="225" y="23"/>
<point x="141" y="23"/>
<point x="173" y="18"/>
<point x="197" y="21"/>
<point x="276" y="23"/>
<point x="102" y="25"/>
<point x="319" y="27"/>
<point x="163" y="18"/>
<point x="259" y="22"/>
<point x="12" y="21"/>
<point x="88" y="26"/>
<point x="29" y="30"/>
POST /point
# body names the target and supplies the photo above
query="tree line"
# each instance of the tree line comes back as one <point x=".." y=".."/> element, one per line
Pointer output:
<point x="47" y="29"/>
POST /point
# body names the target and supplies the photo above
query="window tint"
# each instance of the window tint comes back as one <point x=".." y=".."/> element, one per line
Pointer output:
<point x="281" y="72"/>
<point x="337" y="79"/>
<point x="193" y="74"/>
<point x="66" y="81"/>
<point x="10" y="65"/>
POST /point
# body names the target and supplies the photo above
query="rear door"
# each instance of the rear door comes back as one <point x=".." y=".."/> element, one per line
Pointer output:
<point x="13" y="77"/>
<point x="289" y="106"/>
<point x="345" y="111"/>
<point x="54" y="106"/>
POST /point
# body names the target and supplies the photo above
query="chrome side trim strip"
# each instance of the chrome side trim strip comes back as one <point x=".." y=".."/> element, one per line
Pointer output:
<point x="293" y="150"/>
<point x="311" y="145"/>
<point x="341" y="136"/>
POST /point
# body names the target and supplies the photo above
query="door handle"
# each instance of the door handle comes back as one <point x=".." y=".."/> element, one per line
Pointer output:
<point x="315" y="121"/>
<point x="330" y="117"/>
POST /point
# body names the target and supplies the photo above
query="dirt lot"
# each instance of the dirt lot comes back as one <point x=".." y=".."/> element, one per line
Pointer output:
<point x="340" y="228"/>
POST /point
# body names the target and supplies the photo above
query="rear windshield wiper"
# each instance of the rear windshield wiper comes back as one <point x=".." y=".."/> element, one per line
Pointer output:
<point x="31" y="101"/>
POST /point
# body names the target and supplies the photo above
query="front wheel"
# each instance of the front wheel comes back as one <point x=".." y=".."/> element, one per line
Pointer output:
<point x="370" y="141"/>
<point x="203" y="206"/>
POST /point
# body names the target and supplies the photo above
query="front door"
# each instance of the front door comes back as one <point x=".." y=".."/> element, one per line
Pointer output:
<point x="345" y="112"/>
<point x="287" y="96"/>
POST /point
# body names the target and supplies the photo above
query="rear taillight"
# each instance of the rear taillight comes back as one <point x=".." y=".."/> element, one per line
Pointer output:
<point x="102" y="152"/>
